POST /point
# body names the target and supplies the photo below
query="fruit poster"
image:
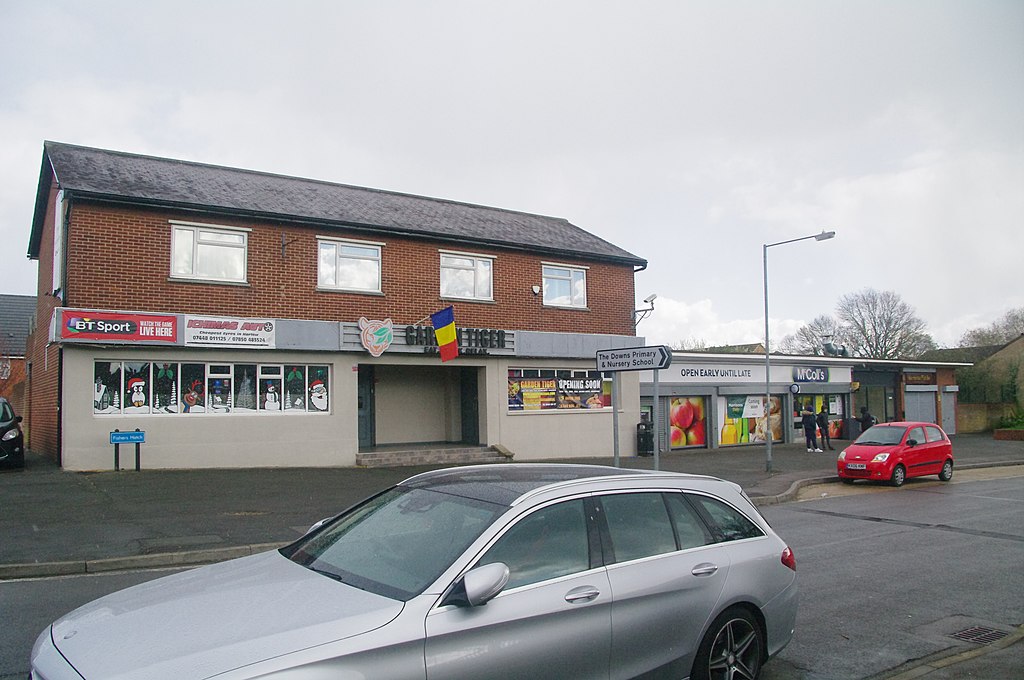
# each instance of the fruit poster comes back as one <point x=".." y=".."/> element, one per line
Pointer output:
<point x="687" y="422"/>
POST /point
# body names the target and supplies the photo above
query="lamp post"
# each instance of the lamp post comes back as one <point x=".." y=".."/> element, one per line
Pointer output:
<point x="770" y="434"/>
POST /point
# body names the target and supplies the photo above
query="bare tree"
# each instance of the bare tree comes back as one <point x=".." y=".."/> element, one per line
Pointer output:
<point x="1001" y="331"/>
<point x="690" y="345"/>
<point x="810" y="339"/>
<point x="880" y="325"/>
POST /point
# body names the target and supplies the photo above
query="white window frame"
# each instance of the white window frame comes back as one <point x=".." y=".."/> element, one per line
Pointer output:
<point x="571" y="271"/>
<point x="476" y="258"/>
<point x="197" y="228"/>
<point x="337" y="242"/>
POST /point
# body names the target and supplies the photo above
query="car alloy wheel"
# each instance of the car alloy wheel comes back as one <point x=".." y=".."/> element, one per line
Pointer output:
<point x="899" y="475"/>
<point x="732" y="649"/>
<point x="947" y="471"/>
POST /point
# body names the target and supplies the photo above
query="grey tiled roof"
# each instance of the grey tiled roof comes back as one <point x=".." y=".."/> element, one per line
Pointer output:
<point x="15" y="315"/>
<point x="113" y="175"/>
<point x="960" y="354"/>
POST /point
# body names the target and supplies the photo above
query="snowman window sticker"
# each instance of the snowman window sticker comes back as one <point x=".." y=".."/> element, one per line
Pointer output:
<point x="270" y="395"/>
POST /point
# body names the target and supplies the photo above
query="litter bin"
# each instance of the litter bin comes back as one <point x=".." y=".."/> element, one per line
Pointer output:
<point x="645" y="438"/>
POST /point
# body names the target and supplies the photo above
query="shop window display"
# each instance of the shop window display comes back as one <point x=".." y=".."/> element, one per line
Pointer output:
<point x="218" y="388"/>
<point x="193" y="388"/>
<point x="270" y="388"/>
<point x="245" y="387"/>
<point x="136" y="388"/>
<point x="557" y="390"/>
<point x="106" y="387"/>
<point x="161" y="388"/>
<point x="295" y="388"/>
<point x="743" y="421"/>
<point x="319" y="384"/>
<point x="165" y="388"/>
<point x="687" y="422"/>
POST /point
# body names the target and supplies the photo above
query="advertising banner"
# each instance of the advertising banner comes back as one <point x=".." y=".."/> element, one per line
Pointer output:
<point x="218" y="331"/>
<point x="743" y="420"/>
<point x="545" y="394"/>
<point x="77" y="324"/>
<point x="532" y="394"/>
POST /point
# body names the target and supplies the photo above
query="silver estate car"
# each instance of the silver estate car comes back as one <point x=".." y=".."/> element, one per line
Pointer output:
<point x="495" y="571"/>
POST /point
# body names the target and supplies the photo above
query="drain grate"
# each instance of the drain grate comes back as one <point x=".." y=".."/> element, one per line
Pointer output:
<point x="981" y="635"/>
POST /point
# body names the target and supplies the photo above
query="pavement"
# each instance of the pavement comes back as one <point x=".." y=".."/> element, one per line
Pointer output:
<point x="54" y="522"/>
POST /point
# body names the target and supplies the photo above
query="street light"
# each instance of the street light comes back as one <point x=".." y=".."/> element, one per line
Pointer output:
<point x="823" y="236"/>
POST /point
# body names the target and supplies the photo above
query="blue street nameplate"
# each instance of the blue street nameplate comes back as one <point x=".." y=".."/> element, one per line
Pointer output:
<point x="127" y="437"/>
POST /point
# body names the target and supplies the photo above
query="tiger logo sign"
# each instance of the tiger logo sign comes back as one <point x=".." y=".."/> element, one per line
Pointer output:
<point x="375" y="336"/>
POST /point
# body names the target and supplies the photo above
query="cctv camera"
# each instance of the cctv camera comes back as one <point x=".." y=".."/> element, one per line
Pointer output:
<point x="650" y="298"/>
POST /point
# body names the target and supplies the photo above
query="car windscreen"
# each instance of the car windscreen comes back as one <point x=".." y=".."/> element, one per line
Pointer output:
<point x="397" y="543"/>
<point x="882" y="435"/>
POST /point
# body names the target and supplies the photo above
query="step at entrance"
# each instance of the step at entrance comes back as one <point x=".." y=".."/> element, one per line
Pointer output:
<point x="429" y="455"/>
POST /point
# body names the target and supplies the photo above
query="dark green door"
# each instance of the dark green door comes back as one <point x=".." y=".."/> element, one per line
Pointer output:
<point x="367" y="425"/>
<point x="470" y="406"/>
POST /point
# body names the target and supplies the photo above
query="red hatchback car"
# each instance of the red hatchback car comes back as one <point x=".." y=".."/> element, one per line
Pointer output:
<point x="895" y="451"/>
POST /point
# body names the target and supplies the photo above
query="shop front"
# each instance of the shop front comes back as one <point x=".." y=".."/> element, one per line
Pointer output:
<point x="908" y="390"/>
<point x="229" y="392"/>
<point x="716" y="401"/>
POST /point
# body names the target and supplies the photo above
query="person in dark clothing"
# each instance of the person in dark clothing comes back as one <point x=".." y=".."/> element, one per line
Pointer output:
<point x="810" y="425"/>
<point x="822" y="418"/>
<point x="866" y="420"/>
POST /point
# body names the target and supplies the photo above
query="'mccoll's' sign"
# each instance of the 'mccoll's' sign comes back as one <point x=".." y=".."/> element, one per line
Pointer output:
<point x="810" y="374"/>
<point x="112" y="326"/>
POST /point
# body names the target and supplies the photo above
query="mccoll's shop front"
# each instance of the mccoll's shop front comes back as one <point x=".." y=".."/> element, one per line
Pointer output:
<point x="719" y="400"/>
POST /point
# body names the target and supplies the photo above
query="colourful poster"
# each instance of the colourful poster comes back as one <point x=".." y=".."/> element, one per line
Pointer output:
<point x="687" y="422"/>
<point x="531" y="394"/>
<point x="743" y="421"/>
<point x="773" y="423"/>
<point x="582" y="393"/>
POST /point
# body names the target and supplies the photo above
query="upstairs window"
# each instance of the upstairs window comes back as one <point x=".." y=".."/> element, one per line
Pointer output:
<point x="348" y="265"/>
<point x="466" y="276"/>
<point x="207" y="252"/>
<point x="565" y="286"/>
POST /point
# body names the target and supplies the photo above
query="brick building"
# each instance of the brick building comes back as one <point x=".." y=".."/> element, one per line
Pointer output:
<point x="16" y="313"/>
<point x="241" y="318"/>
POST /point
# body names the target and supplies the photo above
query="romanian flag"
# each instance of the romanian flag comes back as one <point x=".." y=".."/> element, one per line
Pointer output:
<point x="444" y="331"/>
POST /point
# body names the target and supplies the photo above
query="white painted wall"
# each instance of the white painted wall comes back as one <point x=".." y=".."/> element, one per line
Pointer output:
<point x="208" y="440"/>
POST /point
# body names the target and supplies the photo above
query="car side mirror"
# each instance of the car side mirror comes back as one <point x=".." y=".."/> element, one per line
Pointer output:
<point x="18" y="419"/>
<point x="478" y="586"/>
<point x="911" y="442"/>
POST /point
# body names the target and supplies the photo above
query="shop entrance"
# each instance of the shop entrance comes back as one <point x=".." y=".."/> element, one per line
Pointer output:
<point x="418" y="405"/>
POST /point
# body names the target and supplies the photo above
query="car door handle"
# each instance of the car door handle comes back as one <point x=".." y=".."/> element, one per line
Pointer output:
<point x="705" y="569"/>
<point x="582" y="594"/>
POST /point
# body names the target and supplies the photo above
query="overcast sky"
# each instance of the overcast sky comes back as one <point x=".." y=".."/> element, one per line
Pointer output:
<point x="689" y="133"/>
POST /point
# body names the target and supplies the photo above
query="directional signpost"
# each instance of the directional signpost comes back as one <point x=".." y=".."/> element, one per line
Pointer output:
<point x="653" y="358"/>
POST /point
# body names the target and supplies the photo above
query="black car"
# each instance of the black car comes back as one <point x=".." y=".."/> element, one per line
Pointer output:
<point x="12" y="441"/>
